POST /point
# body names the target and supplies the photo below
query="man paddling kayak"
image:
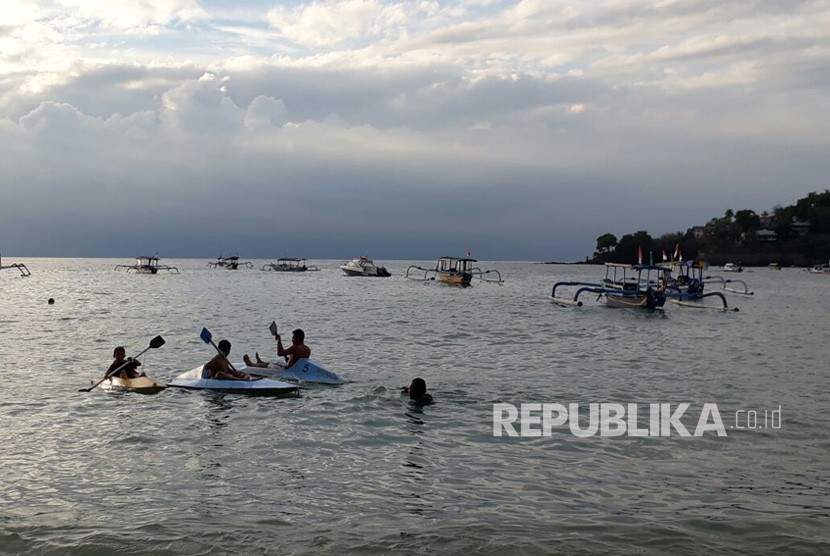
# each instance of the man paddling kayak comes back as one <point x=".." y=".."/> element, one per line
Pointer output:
<point x="220" y="368"/>
<point x="297" y="351"/>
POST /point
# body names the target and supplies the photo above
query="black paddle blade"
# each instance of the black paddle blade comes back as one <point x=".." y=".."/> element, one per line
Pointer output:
<point x="206" y="336"/>
<point x="273" y="327"/>
<point x="157" y="342"/>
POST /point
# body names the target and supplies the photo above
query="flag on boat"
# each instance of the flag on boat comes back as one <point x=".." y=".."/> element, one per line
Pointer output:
<point x="639" y="255"/>
<point x="469" y="254"/>
<point x="665" y="257"/>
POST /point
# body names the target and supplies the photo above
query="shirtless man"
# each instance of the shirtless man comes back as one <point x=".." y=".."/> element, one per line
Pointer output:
<point x="297" y="351"/>
<point x="220" y="368"/>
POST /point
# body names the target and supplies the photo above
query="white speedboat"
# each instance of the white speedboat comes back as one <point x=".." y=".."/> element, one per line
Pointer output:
<point x="732" y="267"/>
<point x="193" y="380"/>
<point x="364" y="266"/>
<point x="304" y="370"/>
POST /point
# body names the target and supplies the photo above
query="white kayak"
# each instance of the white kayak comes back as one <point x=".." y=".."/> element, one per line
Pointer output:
<point x="262" y="387"/>
<point x="304" y="370"/>
<point x="141" y="384"/>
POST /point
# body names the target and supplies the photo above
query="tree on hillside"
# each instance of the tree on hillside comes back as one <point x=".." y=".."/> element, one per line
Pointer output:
<point x="605" y="244"/>
<point x="747" y="221"/>
<point x="626" y="251"/>
<point x="815" y="209"/>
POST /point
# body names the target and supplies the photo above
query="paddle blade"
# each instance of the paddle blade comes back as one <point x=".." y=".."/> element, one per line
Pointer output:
<point x="206" y="336"/>
<point x="157" y="342"/>
<point x="273" y="328"/>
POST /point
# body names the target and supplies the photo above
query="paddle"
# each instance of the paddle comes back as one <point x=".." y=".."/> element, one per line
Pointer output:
<point x="273" y="329"/>
<point x="207" y="338"/>
<point x="156" y="342"/>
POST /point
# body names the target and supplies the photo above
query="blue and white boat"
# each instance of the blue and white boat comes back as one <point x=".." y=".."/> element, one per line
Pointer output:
<point x="303" y="371"/>
<point x="640" y="286"/>
<point x="193" y="380"/>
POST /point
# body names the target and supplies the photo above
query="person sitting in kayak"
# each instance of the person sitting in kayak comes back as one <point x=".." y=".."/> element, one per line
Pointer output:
<point x="297" y="351"/>
<point x="220" y="368"/>
<point x="417" y="391"/>
<point x="130" y="365"/>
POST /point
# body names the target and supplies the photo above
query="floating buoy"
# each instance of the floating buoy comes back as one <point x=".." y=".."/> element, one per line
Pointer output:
<point x="51" y="301"/>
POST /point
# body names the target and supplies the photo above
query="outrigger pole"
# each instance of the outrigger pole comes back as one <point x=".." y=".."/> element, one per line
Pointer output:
<point x="21" y="267"/>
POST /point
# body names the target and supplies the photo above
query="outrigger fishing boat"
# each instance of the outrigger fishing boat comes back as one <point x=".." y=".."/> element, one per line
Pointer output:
<point x="289" y="264"/>
<point x="454" y="270"/>
<point x="364" y="266"/>
<point x="303" y="371"/>
<point x="148" y="265"/>
<point x="19" y="266"/>
<point x="230" y="263"/>
<point x="642" y="286"/>
<point x="685" y="283"/>
<point x="193" y="380"/>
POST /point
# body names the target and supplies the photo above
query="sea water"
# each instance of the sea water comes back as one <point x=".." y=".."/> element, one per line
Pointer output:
<point x="356" y="468"/>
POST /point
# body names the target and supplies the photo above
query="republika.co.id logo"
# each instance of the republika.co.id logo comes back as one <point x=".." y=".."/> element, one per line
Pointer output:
<point x="615" y="419"/>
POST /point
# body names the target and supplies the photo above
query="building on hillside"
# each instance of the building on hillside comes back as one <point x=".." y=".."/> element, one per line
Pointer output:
<point x="799" y="227"/>
<point x="766" y="235"/>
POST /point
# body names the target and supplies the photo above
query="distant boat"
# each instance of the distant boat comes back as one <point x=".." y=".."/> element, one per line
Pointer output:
<point x="364" y="266"/>
<point x="456" y="271"/>
<point x="147" y="265"/>
<point x="19" y="266"/>
<point x="820" y="269"/>
<point x="732" y="267"/>
<point x="774" y="266"/>
<point x="230" y="263"/>
<point x="289" y="264"/>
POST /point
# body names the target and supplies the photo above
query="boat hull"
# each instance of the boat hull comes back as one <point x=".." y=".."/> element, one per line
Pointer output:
<point x="141" y="385"/>
<point x="352" y="271"/>
<point x="643" y="301"/>
<point x="192" y="380"/>
<point x="455" y="279"/>
<point x="304" y="371"/>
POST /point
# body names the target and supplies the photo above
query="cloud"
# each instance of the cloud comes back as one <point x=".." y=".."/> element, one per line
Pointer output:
<point x="501" y="124"/>
<point x="328" y="23"/>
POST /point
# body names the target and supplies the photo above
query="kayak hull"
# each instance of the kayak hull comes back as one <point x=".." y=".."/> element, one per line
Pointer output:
<point x="192" y="380"/>
<point x="304" y="370"/>
<point x="141" y="385"/>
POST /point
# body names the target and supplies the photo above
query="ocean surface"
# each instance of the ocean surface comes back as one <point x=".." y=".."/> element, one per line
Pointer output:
<point x="356" y="469"/>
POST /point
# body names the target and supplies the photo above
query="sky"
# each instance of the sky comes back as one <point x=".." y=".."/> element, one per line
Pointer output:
<point x="517" y="130"/>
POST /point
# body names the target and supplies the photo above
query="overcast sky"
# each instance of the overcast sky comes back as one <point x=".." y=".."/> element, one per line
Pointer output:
<point x="518" y="130"/>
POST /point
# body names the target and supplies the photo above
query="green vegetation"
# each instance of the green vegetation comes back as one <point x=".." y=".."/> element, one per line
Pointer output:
<point x="795" y="235"/>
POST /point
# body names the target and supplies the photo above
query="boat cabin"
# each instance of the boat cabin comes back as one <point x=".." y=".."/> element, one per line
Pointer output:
<point x="454" y="264"/>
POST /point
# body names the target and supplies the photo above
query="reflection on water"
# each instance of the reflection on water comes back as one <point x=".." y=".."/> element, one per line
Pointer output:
<point x="347" y="469"/>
